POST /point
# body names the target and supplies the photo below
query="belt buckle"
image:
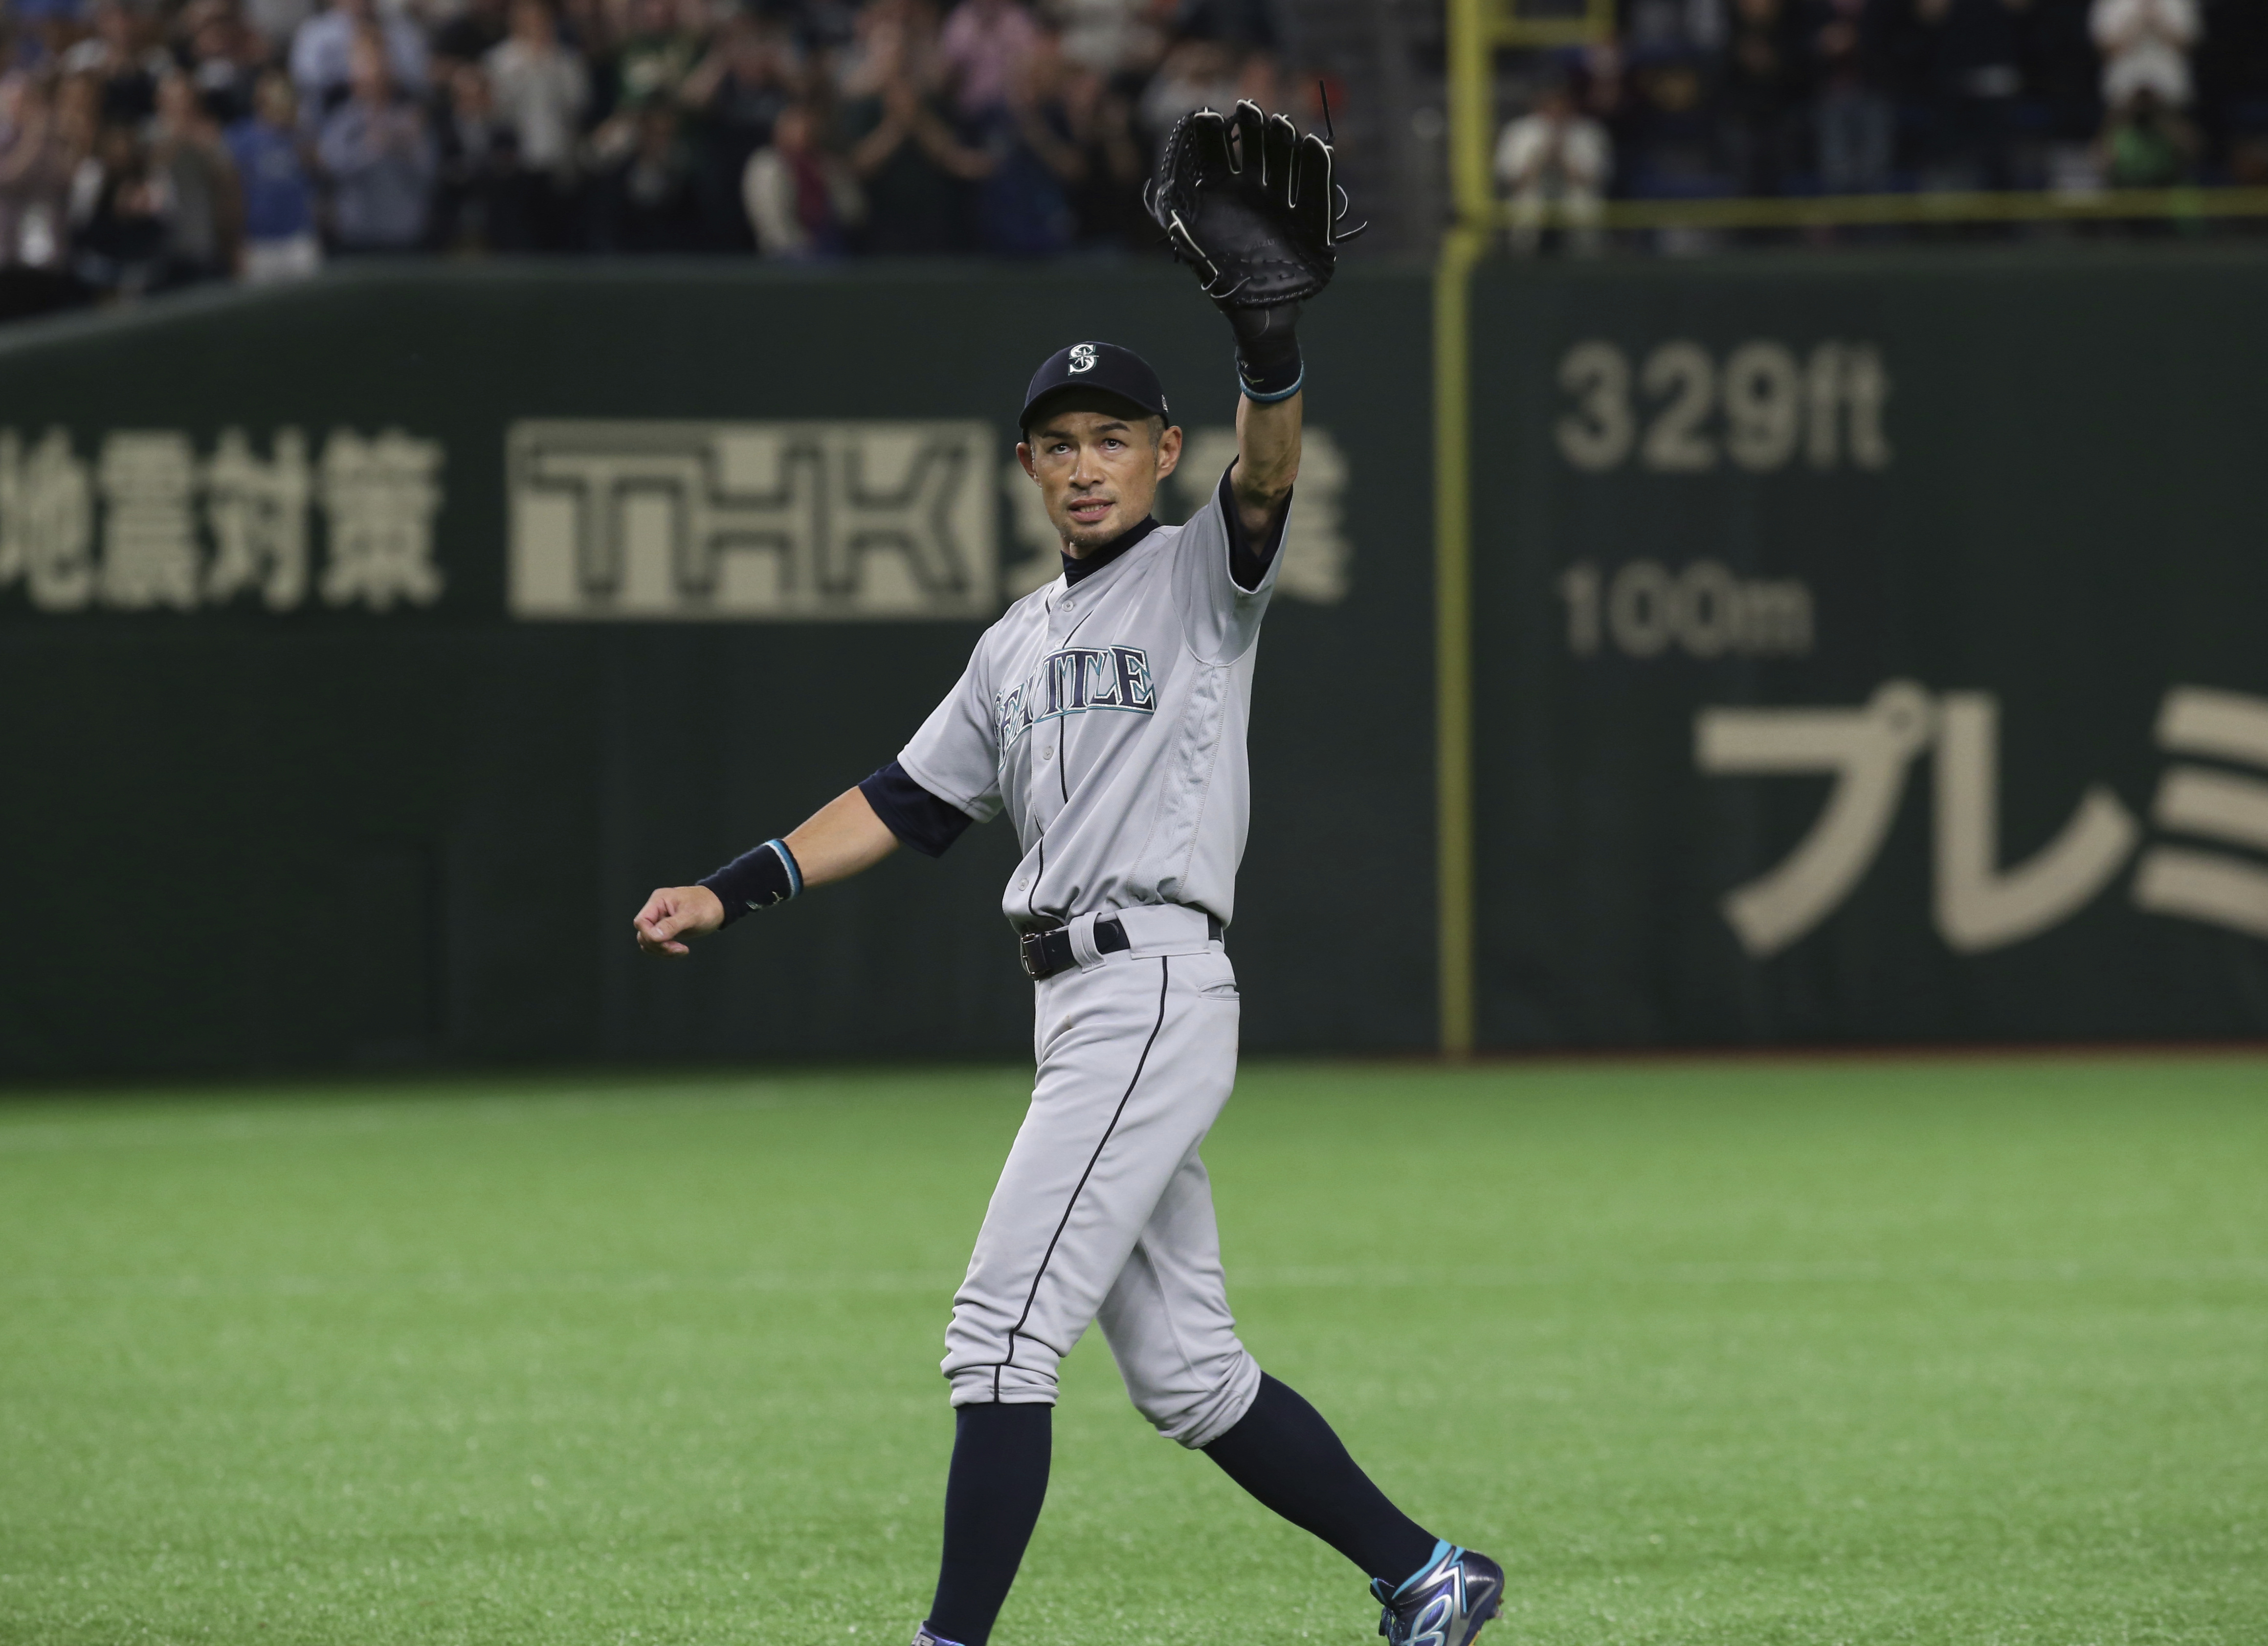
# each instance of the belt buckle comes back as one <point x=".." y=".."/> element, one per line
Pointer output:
<point x="1028" y="951"/>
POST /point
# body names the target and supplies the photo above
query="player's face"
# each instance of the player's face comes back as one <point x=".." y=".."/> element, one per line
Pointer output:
<point x="1098" y="473"/>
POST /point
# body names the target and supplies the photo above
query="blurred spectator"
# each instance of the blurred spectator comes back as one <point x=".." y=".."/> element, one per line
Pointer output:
<point x="78" y="113"/>
<point x="642" y="196"/>
<point x="589" y="27"/>
<point x="38" y="156"/>
<point x="479" y="197"/>
<point x="982" y="43"/>
<point x="379" y="157"/>
<point x="821" y="26"/>
<point x="2145" y="47"/>
<point x="737" y="93"/>
<point x="119" y="229"/>
<point x="1972" y="53"/>
<point x="1854" y="123"/>
<point x="223" y="57"/>
<point x="900" y="149"/>
<point x="1763" y="80"/>
<point x="195" y="185"/>
<point x="801" y="202"/>
<point x="1196" y="74"/>
<point x="657" y="53"/>
<point x="541" y="89"/>
<point x="124" y="60"/>
<point x="477" y="28"/>
<point x="1012" y="128"/>
<point x="1669" y="143"/>
<point x="323" y="51"/>
<point x="1603" y="88"/>
<point x="1106" y="197"/>
<point x="890" y="37"/>
<point x="1554" y="156"/>
<point x="1109" y="37"/>
<point x="2146" y="144"/>
<point x="273" y="169"/>
<point x="277" y="21"/>
<point x="1031" y="160"/>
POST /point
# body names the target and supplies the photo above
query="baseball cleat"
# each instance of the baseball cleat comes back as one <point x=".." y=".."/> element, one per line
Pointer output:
<point x="1443" y="1606"/>
<point x="922" y="1637"/>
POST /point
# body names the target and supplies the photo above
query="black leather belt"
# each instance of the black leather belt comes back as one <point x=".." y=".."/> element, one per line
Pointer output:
<point x="1047" y="953"/>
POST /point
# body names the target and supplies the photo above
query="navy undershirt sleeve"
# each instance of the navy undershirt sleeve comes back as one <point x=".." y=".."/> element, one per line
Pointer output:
<point x="1247" y="561"/>
<point x="916" y="817"/>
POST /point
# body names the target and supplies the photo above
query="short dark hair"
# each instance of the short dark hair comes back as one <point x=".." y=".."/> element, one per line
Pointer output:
<point x="1093" y="400"/>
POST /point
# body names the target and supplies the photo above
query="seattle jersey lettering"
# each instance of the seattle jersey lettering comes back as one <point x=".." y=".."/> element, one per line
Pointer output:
<point x="1071" y="682"/>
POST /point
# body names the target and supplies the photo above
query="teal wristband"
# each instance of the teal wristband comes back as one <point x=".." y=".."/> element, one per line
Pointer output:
<point x="756" y="879"/>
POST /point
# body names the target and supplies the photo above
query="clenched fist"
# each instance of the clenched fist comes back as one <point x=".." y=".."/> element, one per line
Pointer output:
<point x="675" y="912"/>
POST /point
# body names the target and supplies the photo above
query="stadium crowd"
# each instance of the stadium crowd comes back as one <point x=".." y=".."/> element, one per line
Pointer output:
<point x="145" y="146"/>
<point x="1761" y="97"/>
<point x="153" y="143"/>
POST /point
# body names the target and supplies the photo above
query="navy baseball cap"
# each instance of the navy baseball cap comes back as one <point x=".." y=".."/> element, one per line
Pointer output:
<point x="1097" y="368"/>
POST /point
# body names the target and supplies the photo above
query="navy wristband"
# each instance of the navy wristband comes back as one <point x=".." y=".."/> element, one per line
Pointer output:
<point x="756" y="879"/>
<point x="1271" y="386"/>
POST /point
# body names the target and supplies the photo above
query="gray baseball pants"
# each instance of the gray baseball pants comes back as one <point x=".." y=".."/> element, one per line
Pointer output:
<point x="1104" y="1210"/>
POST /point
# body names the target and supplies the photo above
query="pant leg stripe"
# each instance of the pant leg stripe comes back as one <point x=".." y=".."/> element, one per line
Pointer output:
<point x="1165" y="977"/>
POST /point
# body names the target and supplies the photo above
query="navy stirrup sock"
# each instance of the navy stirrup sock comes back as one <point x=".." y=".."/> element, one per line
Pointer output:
<point x="1285" y="1454"/>
<point x="1281" y="1451"/>
<point x="992" y="1498"/>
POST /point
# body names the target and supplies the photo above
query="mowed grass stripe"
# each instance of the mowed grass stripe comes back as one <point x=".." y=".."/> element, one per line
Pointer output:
<point x="1920" y="1351"/>
<point x="1346" y="1278"/>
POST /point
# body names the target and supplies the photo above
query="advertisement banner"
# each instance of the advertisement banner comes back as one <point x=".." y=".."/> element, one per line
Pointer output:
<point x="1868" y="649"/>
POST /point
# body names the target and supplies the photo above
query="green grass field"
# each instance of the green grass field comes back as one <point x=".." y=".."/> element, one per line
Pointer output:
<point x="1918" y="1351"/>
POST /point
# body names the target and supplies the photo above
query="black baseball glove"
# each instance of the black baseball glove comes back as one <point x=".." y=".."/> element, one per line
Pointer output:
<point x="1250" y="204"/>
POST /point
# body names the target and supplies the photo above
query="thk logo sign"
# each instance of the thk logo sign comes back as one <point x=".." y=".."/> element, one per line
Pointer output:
<point x="643" y="521"/>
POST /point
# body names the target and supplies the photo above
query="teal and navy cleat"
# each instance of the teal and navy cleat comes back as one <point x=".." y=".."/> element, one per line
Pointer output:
<point x="1445" y="1603"/>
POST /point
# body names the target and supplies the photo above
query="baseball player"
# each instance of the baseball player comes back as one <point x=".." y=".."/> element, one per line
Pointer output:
<point x="1105" y="714"/>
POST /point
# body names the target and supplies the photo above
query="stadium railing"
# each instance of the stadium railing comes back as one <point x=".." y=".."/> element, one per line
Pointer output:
<point x="1915" y="210"/>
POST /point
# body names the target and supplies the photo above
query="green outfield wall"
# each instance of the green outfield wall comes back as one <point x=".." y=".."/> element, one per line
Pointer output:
<point x="1864" y="649"/>
<point x="1872" y="650"/>
<point x="372" y="649"/>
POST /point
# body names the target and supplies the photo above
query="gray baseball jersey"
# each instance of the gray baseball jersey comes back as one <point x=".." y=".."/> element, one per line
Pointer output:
<point x="1108" y="717"/>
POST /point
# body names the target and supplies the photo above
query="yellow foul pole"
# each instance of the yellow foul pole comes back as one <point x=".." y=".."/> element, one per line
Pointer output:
<point x="1472" y="70"/>
<point x="1471" y="66"/>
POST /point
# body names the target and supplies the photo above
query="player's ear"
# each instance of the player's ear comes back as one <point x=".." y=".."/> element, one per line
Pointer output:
<point x="1024" y="455"/>
<point x="1170" y="451"/>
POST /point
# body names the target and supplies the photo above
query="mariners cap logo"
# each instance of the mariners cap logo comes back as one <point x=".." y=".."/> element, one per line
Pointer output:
<point x="1091" y="369"/>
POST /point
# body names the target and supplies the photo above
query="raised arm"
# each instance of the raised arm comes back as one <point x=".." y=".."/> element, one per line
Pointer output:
<point x="837" y="841"/>
<point x="1267" y="458"/>
<point x="1252" y="206"/>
